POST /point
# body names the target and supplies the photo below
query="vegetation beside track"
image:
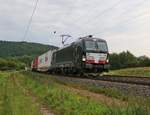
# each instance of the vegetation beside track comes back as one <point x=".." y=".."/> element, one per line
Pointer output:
<point x="60" y="99"/>
<point x="140" y="71"/>
<point x="130" y="98"/>
<point x="13" y="101"/>
<point x="66" y="101"/>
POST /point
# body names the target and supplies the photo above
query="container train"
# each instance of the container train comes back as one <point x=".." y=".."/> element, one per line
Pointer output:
<point x="86" y="55"/>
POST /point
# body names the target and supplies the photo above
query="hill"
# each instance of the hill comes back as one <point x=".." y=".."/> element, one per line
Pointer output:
<point x="16" y="49"/>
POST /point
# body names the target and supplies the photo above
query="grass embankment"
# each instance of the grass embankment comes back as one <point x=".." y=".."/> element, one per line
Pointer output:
<point x="61" y="100"/>
<point x="140" y="101"/>
<point x="145" y="71"/>
<point x="65" y="101"/>
<point x="13" y="101"/>
<point x="114" y="93"/>
<point x="129" y="99"/>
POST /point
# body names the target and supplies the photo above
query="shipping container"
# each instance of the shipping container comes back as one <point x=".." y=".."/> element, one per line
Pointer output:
<point x="44" y="61"/>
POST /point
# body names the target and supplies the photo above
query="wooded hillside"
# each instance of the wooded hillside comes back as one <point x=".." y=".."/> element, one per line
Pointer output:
<point x="11" y="49"/>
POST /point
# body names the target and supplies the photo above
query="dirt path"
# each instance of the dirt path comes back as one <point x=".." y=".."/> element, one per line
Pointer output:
<point x="44" y="109"/>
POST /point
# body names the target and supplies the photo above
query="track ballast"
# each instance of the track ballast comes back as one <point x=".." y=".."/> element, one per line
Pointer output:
<point x="139" y="86"/>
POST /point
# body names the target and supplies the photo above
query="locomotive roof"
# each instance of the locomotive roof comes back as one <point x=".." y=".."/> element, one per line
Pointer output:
<point x="91" y="38"/>
<point x="83" y="38"/>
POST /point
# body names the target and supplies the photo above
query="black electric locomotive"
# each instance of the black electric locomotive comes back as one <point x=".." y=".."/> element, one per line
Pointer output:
<point x="87" y="55"/>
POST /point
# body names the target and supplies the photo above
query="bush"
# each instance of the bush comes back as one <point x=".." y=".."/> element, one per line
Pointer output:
<point x="128" y="60"/>
<point x="10" y="65"/>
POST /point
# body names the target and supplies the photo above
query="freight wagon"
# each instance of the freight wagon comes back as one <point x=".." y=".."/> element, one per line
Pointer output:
<point x="34" y="64"/>
<point x="43" y="62"/>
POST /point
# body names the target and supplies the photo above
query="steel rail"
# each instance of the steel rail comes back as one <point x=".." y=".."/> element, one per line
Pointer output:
<point x="125" y="79"/>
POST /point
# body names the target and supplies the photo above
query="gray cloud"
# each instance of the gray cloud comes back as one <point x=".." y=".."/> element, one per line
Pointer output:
<point x="125" y="25"/>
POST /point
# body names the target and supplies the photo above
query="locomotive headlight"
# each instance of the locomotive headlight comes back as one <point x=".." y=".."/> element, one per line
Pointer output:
<point x="83" y="58"/>
<point x="107" y="60"/>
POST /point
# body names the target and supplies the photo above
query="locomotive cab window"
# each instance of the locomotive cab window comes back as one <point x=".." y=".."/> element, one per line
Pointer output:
<point x="90" y="45"/>
<point x="96" y="45"/>
<point x="102" y="46"/>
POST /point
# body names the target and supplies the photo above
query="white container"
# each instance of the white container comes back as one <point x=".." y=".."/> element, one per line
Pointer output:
<point x="44" y="61"/>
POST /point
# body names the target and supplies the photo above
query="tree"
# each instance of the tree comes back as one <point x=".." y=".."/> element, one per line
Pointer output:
<point x="127" y="59"/>
<point x="144" y="61"/>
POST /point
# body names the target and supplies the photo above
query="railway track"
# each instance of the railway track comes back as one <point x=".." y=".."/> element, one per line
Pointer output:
<point x="139" y="86"/>
<point x="138" y="80"/>
<point x="115" y="78"/>
<point x="125" y="79"/>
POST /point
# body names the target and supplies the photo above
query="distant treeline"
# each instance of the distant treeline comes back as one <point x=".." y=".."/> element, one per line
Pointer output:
<point x="126" y="59"/>
<point x="15" y="63"/>
<point x="11" y="49"/>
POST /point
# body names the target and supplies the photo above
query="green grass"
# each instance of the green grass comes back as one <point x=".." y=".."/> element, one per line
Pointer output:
<point x="67" y="102"/>
<point x="145" y="71"/>
<point x="138" y="101"/>
<point x="63" y="101"/>
<point x="13" y="101"/>
<point x="131" y="99"/>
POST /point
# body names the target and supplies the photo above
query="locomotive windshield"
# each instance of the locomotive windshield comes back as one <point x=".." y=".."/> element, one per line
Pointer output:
<point x="102" y="46"/>
<point x="90" y="45"/>
<point x="96" y="45"/>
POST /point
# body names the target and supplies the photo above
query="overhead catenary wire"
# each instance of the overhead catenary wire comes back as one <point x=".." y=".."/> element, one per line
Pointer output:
<point x="104" y="11"/>
<point x="110" y="8"/>
<point x="139" y="4"/>
<point x="30" y="21"/>
<point x="128" y="20"/>
<point x="100" y="13"/>
<point x="130" y="10"/>
<point x="125" y="12"/>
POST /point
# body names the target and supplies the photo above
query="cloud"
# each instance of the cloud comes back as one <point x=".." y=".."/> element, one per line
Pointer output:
<point x="124" y="24"/>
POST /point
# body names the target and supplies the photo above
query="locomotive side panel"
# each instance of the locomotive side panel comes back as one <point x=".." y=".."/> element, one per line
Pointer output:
<point x="64" y="57"/>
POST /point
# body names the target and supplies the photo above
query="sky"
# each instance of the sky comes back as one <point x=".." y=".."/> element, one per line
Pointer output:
<point x="124" y="24"/>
